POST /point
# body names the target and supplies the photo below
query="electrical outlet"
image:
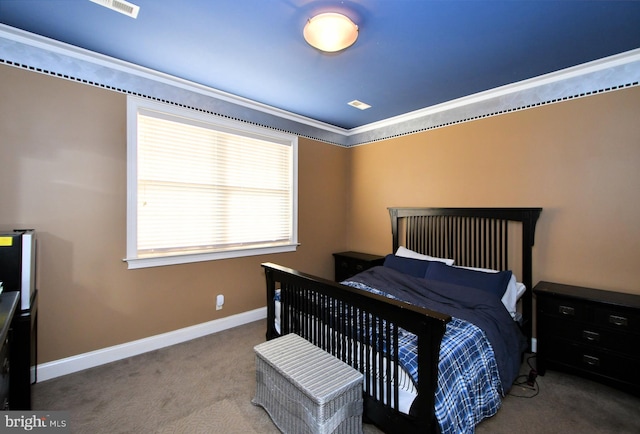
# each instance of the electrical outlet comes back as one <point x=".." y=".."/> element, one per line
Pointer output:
<point x="219" y="302"/>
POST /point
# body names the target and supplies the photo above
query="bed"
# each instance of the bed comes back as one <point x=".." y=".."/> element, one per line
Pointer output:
<point x="402" y="324"/>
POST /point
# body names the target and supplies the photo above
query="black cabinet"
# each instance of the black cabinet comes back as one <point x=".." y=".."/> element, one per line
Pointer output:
<point x="4" y="374"/>
<point x="8" y="306"/>
<point x="589" y="332"/>
<point x="350" y="263"/>
<point x="24" y="355"/>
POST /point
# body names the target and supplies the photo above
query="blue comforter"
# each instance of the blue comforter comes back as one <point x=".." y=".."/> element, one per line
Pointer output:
<point x="480" y="352"/>
<point x="473" y="305"/>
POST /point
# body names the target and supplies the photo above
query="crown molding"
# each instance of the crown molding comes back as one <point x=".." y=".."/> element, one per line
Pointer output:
<point x="609" y="73"/>
<point x="82" y="54"/>
<point x="23" y="49"/>
<point x="42" y="54"/>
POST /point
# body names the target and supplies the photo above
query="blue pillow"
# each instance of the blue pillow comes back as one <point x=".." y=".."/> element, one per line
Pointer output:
<point x="410" y="266"/>
<point x="493" y="283"/>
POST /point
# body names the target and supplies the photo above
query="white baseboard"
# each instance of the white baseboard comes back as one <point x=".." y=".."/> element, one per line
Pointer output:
<point x="69" y="365"/>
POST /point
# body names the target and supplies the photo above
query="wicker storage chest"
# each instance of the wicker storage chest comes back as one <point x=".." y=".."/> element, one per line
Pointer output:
<point x="305" y="389"/>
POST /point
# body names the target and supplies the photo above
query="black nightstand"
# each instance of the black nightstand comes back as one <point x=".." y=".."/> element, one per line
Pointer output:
<point x="350" y="263"/>
<point x="589" y="332"/>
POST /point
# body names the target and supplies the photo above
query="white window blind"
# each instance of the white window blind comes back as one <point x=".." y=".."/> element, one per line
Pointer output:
<point x="207" y="189"/>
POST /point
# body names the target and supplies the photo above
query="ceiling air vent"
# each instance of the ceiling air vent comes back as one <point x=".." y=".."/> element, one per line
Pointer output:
<point x="359" y="104"/>
<point x="124" y="7"/>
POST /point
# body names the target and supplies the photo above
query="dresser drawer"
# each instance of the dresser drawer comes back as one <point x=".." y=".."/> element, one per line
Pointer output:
<point x="567" y="308"/>
<point x="617" y="318"/>
<point x="590" y="334"/>
<point x="347" y="267"/>
<point x="594" y="361"/>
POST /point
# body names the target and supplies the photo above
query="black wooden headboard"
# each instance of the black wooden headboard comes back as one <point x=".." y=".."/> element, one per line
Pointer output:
<point x="473" y="237"/>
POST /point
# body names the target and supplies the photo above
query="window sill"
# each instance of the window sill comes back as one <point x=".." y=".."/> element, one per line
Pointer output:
<point x="160" y="261"/>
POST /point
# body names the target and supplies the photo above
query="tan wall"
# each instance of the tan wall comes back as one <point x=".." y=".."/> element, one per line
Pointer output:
<point x="63" y="172"/>
<point x="579" y="160"/>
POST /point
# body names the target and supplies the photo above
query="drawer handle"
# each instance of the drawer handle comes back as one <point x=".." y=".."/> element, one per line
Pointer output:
<point x="590" y="360"/>
<point x="591" y="336"/>
<point x="566" y="310"/>
<point x="618" y="320"/>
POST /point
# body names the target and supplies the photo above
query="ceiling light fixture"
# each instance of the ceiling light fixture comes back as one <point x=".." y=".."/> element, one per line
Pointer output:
<point x="330" y="32"/>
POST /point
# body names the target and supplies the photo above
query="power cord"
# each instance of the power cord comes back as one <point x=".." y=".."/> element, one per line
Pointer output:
<point x="527" y="382"/>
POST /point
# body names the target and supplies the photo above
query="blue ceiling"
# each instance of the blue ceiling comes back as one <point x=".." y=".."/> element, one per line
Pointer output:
<point x="410" y="54"/>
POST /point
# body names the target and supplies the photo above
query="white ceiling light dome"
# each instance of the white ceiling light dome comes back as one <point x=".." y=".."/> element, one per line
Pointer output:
<point x="330" y="32"/>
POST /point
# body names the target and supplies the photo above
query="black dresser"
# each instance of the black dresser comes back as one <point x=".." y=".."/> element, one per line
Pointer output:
<point x="589" y="332"/>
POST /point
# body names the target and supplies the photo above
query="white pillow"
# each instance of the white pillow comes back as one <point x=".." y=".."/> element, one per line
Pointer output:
<point x="406" y="253"/>
<point x="511" y="295"/>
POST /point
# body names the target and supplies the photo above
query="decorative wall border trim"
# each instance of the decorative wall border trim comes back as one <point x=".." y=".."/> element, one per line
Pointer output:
<point x="39" y="54"/>
<point x="603" y="75"/>
<point x="36" y="53"/>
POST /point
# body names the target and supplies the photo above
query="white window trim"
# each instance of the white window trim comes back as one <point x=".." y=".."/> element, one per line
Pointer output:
<point x="133" y="262"/>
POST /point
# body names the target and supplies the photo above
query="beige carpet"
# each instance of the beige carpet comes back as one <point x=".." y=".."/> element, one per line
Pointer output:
<point x="223" y="416"/>
<point x="206" y="386"/>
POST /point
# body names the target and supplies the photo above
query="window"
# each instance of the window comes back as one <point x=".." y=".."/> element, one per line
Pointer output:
<point x="203" y="188"/>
